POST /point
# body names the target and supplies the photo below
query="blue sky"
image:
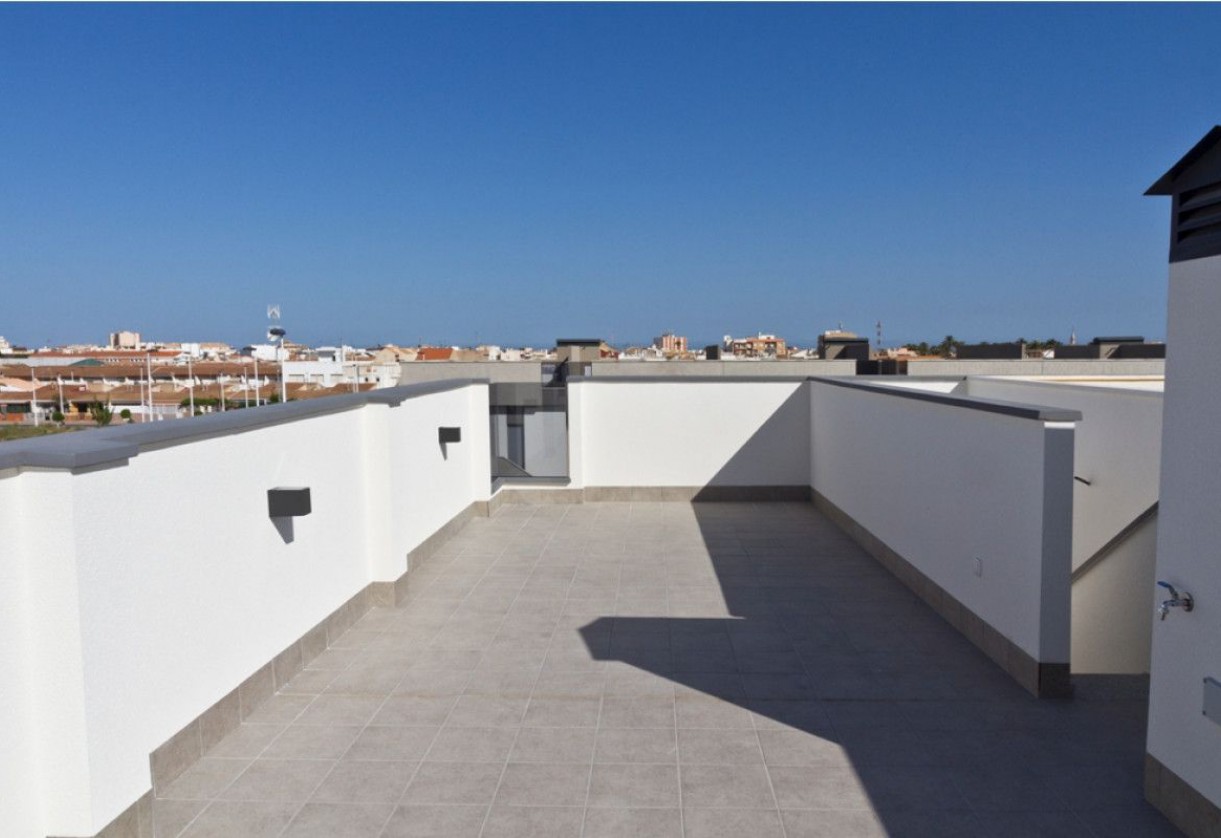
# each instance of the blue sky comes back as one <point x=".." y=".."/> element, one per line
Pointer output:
<point x="513" y="174"/>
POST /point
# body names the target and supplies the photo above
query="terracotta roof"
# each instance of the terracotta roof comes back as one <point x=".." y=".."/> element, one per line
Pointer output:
<point x="434" y="353"/>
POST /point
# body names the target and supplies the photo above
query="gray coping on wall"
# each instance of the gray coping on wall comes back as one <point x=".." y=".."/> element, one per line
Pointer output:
<point x="114" y="446"/>
<point x="695" y="379"/>
<point x="1090" y="384"/>
<point x="1022" y="411"/>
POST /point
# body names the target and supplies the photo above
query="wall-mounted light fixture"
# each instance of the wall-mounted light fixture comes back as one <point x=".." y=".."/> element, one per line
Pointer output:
<point x="446" y="435"/>
<point x="288" y="501"/>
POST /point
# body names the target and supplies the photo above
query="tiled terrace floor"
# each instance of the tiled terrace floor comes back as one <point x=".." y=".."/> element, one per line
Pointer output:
<point x="635" y="669"/>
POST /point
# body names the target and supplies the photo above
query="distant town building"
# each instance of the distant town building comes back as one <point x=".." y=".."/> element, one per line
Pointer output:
<point x="990" y="351"/>
<point x="579" y="350"/>
<point x="670" y="343"/>
<point x="5" y="346"/>
<point x="760" y="346"/>
<point x="1113" y="348"/>
<point x="124" y="340"/>
<point x="846" y="346"/>
<point x="261" y="351"/>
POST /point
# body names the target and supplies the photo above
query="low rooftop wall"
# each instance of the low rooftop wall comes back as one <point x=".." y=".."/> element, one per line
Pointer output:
<point x="968" y="500"/>
<point x="146" y="579"/>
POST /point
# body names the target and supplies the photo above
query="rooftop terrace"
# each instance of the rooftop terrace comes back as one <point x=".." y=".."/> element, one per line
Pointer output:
<point x="665" y="669"/>
<point x="668" y="638"/>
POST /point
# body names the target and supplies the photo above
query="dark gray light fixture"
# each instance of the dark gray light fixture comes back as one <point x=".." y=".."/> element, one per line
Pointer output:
<point x="288" y="501"/>
<point x="446" y="435"/>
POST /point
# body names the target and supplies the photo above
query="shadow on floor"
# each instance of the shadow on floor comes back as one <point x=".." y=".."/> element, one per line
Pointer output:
<point x="855" y="686"/>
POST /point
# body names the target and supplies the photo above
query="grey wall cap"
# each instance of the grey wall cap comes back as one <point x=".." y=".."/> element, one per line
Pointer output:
<point x="114" y="446"/>
<point x="1022" y="411"/>
<point x="694" y="379"/>
<point x="1092" y="385"/>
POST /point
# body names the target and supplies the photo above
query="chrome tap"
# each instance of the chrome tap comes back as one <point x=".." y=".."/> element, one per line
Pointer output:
<point x="1177" y="600"/>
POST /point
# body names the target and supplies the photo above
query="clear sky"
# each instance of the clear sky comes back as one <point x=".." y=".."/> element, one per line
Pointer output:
<point x="513" y="174"/>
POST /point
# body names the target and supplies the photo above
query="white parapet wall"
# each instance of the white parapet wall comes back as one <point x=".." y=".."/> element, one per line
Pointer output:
<point x="1117" y="462"/>
<point x="144" y="579"/>
<point x="688" y="433"/>
<point x="975" y="495"/>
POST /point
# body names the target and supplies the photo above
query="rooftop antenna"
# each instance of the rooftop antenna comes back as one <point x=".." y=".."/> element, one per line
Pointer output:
<point x="879" y="336"/>
<point x="274" y="330"/>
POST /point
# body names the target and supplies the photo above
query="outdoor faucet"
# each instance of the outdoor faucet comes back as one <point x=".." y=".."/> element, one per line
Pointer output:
<point x="1177" y="600"/>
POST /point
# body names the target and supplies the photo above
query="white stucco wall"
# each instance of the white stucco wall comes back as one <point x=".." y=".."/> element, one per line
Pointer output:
<point x="943" y="486"/>
<point x="1118" y="449"/>
<point x="41" y="688"/>
<point x="429" y="485"/>
<point x="150" y="590"/>
<point x="1187" y="647"/>
<point x="186" y="587"/>
<point x="1112" y="620"/>
<point x="626" y="433"/>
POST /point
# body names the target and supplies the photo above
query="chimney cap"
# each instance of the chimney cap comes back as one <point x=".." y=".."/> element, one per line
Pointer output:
<point x="1174" y="181"/>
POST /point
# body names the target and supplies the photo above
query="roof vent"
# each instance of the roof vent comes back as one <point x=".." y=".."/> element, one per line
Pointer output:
<point x="1195" y="184"/>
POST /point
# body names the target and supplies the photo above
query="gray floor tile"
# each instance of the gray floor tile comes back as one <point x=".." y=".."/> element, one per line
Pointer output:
<point x="436" y="821"/>
<point x="794" y="747"/>
<point x="412" y="710"/>
<point x="396" y="744"/>
<point x="279" y="709"/>
<point x="637" y="712"/>
<point x="206" y="779"/>
<point x="340" y="710"/>
<point x="719" y="747"/>
<point x="310" y="681"/>
<point x="543" y="785"/>
<point x="562" y="712"/>
<point x="732" y="823"/>
<point x="365" y="782"/>
<point x="1025" y="824"/>
<point x="455" y="783"/>
<point x="554" y="745"/>
<point x="311" y="742"/>
<point x="819" y="788"/>
<point x="170" y="817"/>
<point x="1131" y="821"/>
<point x="638" y="823"/>
<point x="487" y="711"/>
<point x="634" y="786"/>
<point x="533" y="822"/>
<point x="1008" y="789"/>
<point x="328" y="820"/>
<point x="229" y="819"/>
<point x="279" y="780"/>
<point x="708" y="712"/>
<point x="721" y="786"/>
<point x="473" y="744"/>
<point x="248" y="740"/>
<point x="948" y="824"/>
<point x="432" y="683"/>
<point x="833" y="823"/>
<point x="378" y="679"/>
<point x="636" y="745"/>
